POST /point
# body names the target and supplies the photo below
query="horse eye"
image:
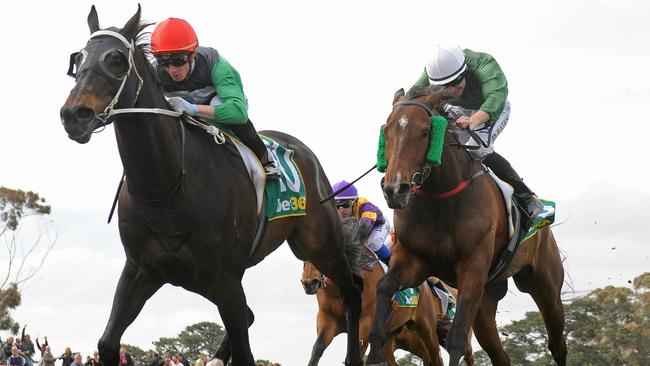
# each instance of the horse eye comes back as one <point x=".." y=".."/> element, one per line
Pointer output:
<point x="116" y="63"/>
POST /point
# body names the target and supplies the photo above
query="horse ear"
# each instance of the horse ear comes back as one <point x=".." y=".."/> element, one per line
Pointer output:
<point x="93" y="21"/>
<point x="398" y="94"/>
<point x="435" y="98"/>
<point x="131" y="28"/>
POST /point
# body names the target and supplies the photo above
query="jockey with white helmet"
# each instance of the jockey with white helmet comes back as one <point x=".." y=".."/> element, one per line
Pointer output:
<point x="373" y="227"/>
<point x="475" y="82"/>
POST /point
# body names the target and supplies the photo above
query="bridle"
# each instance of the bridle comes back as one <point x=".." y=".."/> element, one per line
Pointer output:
<point x="420" y="176"/>
<point x="321" y="278"/>
<point x="105" y="117"/>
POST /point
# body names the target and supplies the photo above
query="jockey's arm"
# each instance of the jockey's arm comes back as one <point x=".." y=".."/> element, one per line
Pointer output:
<point x="205" y="111"/>
<point x="475" y="120"/>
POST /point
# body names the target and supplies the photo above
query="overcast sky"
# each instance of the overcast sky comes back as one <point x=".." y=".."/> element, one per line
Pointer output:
<point x="579" y="87"/>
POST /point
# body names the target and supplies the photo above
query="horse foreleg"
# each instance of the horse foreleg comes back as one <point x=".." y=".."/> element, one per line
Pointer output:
<point x="485" y="326"/>
<point x="224" y="351"/>
<point x="349" y="284"/>
<point x="386" y="287"/>
<point x="469" y="353"/>
<point x="328" y="328"/>
<point x="133" y="290"/>
<point x="470" y="291"/>
<point x="230" y="299"/>
<point x="389" y="349"/>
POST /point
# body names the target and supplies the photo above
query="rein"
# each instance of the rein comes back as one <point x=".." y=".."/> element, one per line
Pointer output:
<point x="450" y="193"/>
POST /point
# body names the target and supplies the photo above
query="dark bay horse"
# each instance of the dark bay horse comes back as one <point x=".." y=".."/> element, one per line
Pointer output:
<point x="457" y="237"/>
<point x="410" y="329"/>
<point x="187" y="211"/>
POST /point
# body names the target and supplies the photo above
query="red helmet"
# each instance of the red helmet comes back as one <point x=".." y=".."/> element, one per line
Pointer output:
<point x="173" y="35"/>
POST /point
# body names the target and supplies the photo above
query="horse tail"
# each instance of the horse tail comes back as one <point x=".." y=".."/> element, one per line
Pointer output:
<point x="352" y="243"/>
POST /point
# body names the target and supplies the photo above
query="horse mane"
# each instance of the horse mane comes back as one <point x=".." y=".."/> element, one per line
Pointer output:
<point x="352" y="242"/>
<point x="142" y="43"/>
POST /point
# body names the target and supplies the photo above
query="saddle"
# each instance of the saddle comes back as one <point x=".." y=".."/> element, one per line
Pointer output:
<point x="517" y="234"/>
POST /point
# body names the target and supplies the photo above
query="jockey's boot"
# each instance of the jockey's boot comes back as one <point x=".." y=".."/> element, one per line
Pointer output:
<point x="524" y="196"/>
<point x="384" y="254"/>
<point x="435" y="282"/>
<point x="270" y="167"/>
<point x="248" y="135"/>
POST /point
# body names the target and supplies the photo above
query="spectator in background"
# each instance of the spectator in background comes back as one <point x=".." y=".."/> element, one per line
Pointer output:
<point x="15" y="359"/>
<point x="6" y="347"/>
<point x="19" y="344"/>
<point x="41" y="348"/>
<point x="125" y="358"/>
<point x="202" y="360"/>
<point x="66" y="357"/>
<point x="154" y="359"/>
<point x="47" y="359"/>
<point x="27" y="347"/>
<point x="183" y="360"/>
<point x="94" y="361"/>
<point x="76" y="360"/>
<point x="176" y="361"/>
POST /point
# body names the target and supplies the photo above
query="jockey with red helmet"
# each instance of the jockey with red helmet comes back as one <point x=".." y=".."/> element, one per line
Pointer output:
<point x="200" y="82"/>
<point x="373" y="227"/>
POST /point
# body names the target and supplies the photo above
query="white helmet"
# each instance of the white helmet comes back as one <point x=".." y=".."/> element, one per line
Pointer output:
<point x="447" y="64"/>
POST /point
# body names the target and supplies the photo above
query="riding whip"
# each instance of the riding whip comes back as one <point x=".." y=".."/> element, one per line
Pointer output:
<point x="346" y="186"/>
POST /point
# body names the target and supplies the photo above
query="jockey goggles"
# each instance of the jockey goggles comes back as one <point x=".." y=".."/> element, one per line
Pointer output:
<point x="173" y="59"/>
<point x="344" y="204"/>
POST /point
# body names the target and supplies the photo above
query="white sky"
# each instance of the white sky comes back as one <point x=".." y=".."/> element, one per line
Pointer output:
<point x="326" y="73"/>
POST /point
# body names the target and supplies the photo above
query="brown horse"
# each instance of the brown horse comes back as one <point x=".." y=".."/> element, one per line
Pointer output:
<point x="410" y="329"/>
<point x="457" y="237"/>
<point x="187" y="211"/>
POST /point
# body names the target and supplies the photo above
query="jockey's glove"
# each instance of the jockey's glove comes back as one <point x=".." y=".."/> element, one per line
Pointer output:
<point x="181" y="105"/>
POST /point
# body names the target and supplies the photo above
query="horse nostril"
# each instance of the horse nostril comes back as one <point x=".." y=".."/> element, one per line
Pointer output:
<point x="404" y="188"/>
<point x="83" y="113"/>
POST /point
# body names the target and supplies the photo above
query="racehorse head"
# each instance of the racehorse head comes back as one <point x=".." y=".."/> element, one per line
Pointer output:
<point x="407" y="136"/>
<point x="312" y="279"/>
<point x="105" y="77"/>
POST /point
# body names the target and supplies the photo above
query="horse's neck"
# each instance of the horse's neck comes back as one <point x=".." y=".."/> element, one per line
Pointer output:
<point x="457" y="166"/>
<point x="149" y="146"/>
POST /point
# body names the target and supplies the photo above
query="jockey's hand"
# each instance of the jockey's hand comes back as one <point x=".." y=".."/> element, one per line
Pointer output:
<point x="181" y="105"/>
<point x="462" y="122"/>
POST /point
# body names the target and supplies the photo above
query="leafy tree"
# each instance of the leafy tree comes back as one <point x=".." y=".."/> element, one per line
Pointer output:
<point x="203" y="337"/>
<point x="15" y="207"/>
<point x="609" y="326"/>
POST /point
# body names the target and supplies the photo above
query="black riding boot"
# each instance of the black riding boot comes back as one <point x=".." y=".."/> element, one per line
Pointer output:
<point x="248" y="135"/>
<point x="524" y="196"/>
